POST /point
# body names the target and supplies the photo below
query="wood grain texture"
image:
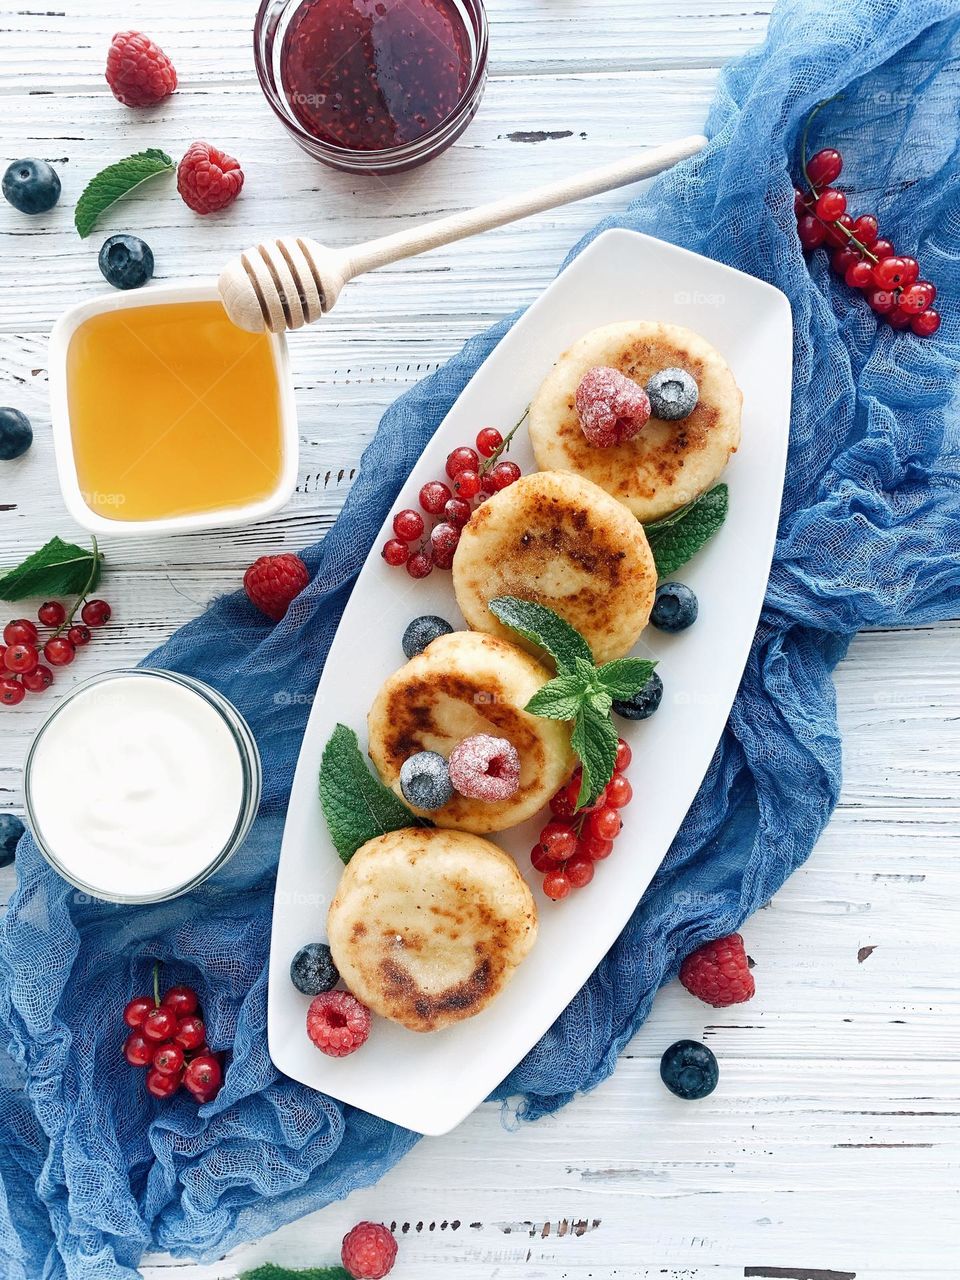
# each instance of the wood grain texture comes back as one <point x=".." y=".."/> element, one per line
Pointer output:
<point x="830" y="1149"/>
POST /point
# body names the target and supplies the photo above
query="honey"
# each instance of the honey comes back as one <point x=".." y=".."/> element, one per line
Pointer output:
<point x="173" y="411"/>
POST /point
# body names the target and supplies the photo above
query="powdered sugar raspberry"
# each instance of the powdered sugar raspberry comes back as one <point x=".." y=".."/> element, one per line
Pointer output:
<point x="485" y="768"/>
<point x="612" y="407"/>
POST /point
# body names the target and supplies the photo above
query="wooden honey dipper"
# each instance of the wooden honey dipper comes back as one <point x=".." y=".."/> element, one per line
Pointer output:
<point x="287" y="283"/>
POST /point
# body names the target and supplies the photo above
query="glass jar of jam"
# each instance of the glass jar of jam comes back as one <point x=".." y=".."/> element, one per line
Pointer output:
<point x="372" y="86"/>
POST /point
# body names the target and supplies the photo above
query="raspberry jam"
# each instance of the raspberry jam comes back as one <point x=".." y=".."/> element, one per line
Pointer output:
<point x="374" y="74"/>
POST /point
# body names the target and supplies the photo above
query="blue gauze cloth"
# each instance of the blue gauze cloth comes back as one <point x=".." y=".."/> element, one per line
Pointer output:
<point x="93" y="1170"/>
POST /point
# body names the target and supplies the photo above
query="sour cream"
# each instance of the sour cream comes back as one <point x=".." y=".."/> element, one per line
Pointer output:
<point x="141" y="784"/>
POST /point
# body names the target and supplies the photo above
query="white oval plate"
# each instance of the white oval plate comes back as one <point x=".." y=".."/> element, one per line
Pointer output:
<point x="429" y="1083"/>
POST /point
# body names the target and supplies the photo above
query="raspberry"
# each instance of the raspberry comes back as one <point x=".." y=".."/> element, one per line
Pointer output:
<point x="338" y="1024"/>
<point x="272" y="582"/>
<point x="612" y="408"/>
<point x="718" y="974"/>
<point x="368" y="1251"/>
<point x="208" y="179"/>
<point x="485" y="768"/>
<point x="138" y="72"/>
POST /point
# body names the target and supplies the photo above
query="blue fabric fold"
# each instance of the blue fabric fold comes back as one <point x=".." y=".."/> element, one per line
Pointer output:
<point x="93" y="1171"/>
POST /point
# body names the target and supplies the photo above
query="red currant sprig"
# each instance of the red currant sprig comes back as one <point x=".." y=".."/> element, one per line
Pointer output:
<point x="168" y="1037"/>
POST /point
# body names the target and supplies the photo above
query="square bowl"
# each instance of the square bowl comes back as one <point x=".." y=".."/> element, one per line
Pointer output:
<point x="221" y="517"/>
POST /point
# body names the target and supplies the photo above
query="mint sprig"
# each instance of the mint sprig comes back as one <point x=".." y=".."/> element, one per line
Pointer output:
<point x="581" y="692"/>
<point x="356" y="805"/>
<point x="679" y="536"/>
<point x="58" y="569"/>
<point x="115" y="182"/>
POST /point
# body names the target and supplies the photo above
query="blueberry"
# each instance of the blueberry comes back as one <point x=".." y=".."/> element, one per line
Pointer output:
<point x="425" y="781"/>
<point x="673" y="394"/>
<point x="423" y="631"/>
<point x="16" y="434"/>
<point x="11" y="829"/>
<point x="643" y="703"/>
<point x="126" y="262"/>
<point x="32" y="186"/>
<point x="675" y="607"/>
<point x="312" y="970"/>
<point x="689" y="1069"/>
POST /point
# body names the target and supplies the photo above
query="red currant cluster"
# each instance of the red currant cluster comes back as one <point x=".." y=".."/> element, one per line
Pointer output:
<point x="572" y="843"/>
<point x="22" y="670"/>
<point x="168" y="1037"/>
<point x="474" y="474"/>
<point x="890" y="281"/>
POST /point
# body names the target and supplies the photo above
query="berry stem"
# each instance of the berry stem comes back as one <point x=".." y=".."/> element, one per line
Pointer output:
<point x="487" y="463"/>
<point x="156" y="983"/>
<point x="87" y="588"/>
<point x="806" y="130"/>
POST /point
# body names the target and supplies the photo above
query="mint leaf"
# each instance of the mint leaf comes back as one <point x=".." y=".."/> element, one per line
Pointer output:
<point x="115" y="182"/>
<point x="594" y="739"/>
<point x="356" y="805"/>
<point x="678" y="537"/>
<point x="625" y="676"/>
<point x="58" y="569"/>
<point x="270" y="1271"/>
<point x="561" y="699"/>
<point x="544" y="627"/>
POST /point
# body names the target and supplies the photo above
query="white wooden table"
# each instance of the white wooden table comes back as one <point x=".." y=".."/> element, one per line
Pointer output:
<point x="830" y="1148"/>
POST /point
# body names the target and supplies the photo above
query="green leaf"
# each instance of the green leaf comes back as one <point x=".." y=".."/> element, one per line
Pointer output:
<point x="594" y="739"/>
<point x="561" y="699"/>
<point x="625" y="676"/>
<point x="356" y="805"/>
<point x="115" y="182"/>
<point x="677" y="538"/>
<point x="270" y="1271"/>
<point x="544" y="627"/>
<point x="57" y="569"/>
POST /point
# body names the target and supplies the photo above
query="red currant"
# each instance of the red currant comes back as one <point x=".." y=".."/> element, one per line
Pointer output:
<point x="20" y="631"/>
<point x="859" y="275"/>
<point x="624" y="756"/>
<point x="21" y="658"/>
<point x="137" y="1010"/>
<point x="162" y="1085"/>
<point x="556" y="885"/>
<point x="52" y="614"/>
<point x="462" y="459"/>
<point x="801" y="201"/>
<point x="899" y="319"/>
<point x="929" y="290"/>
<point x="169" y="1059"/>
<point x="619" y="792"/>
<point x="12" y="692"/>
<point x="505" y="474"/>
<point x="889" y="273"/>
<point x="96" y="613"/>
<point x="595" y="848"/>
<point x="468" y="483"/>
<point x="866" y="229"/>
<point x="564" y="803"/>
<point x="420" y="565"/>
<point x="489" y="441"/>
<point x="540" y="859"/>
<point x="59" y="652"/>
<point x="182" y="1000"/>
<point x="916" y="299"/>
<point x="38" y="679"/>
<point x="926" y="323"/>
<point x="138" y="1051"/>
<point x="190" y="1032"/>
<point x="580" y="871"/>
<point x="824" y="167"/>
<point x="408" y="525"/>
<point x="605" y="823"/>
<point x="204" y="1074"/>
<point x="457" y="512"/>
<point x="841" y="260"/>
<point x="79" y="636"/>
<point x="159" y="1024"/>
<point x="882" y="249"/>
<point x="444" y="541"/>
<point x="558" y="840"/>
<point x="911" y="273"/>
<point x="836" y="235"/>
<point x="811" y="231"/>
<point x="434" y="496"/>
<point x="830" y="204"/>
<point x="395" y="552"/>
<point x="882" y="301"/>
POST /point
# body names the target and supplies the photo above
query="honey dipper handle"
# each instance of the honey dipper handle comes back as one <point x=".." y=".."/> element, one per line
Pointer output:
<point x="430" y="235"/>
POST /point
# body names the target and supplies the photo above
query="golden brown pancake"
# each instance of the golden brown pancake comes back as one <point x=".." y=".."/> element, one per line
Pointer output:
<point x="428" y="926"/>
<point x="561" y="541"/>
<point x="463" y="684"/>
<point x="669" y="463"/>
